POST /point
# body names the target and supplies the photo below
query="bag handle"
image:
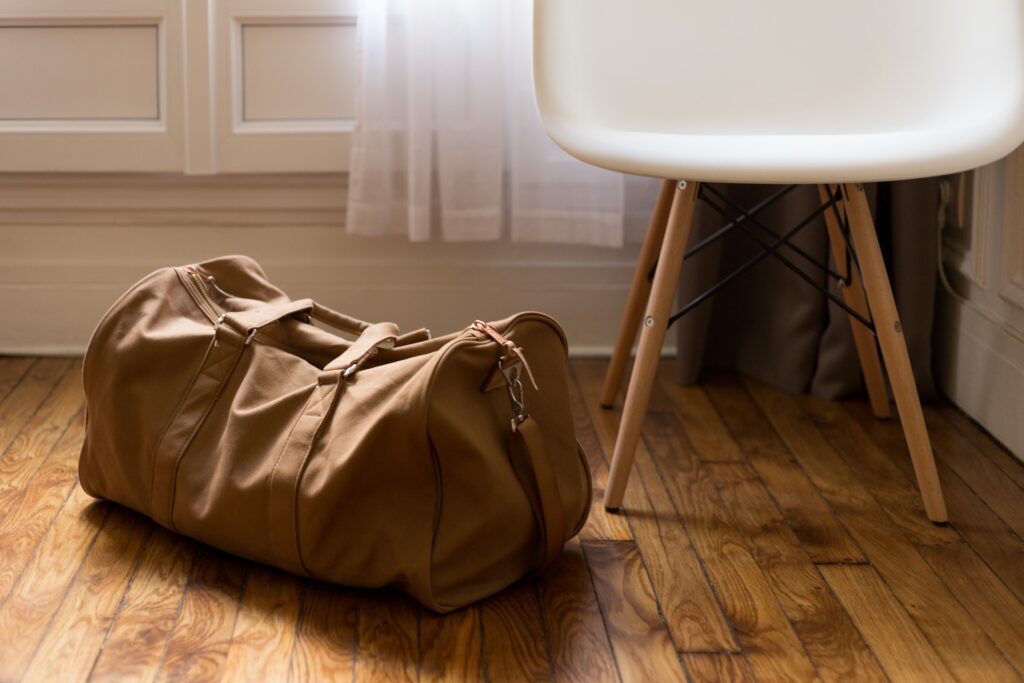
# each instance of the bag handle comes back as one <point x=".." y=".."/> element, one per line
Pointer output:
<point x="261" y="317"/>
<point x="533" y="469"/>
<point x="373" y="338"/>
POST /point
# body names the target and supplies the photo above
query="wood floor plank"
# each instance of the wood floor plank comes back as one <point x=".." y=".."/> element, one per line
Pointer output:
<point x="580" y="649"/>
<point x="75" y="636"/>
<point x="875" y="470"/>
<point x="264" y="633"/>
<point x="202" y="632"/>
<point x="144" y="623"/>
<point x="948" y="554"/>
<point x="833" y="643"/>
<point x="30" y="515"/>
<point x="26" y="397"/>
<point x="994" y="607"/>
<point x="327" y="641"/>
<point x="43" y="430"/>
<point x="694" y="617"/>
<point x="701" y="422"/>
<point x="902" y="649"/>
<point x="979" y="472"/>
<point x="12" y="371"/>
<point x="640" y="640"/>
<point x="451" y="646"/>
<point x="599" y="526"/>
<point x="773" y="649"/>
<point x="963" y="645"/>
<point x="388" y="638"/>
<point x="810" y="516"/>
<point x="35" y="597"/>
<point x="514" y="639"/>
<point x="717" y="667"/>
<point x="972" y="518"/>
<point x="993" y="450"/>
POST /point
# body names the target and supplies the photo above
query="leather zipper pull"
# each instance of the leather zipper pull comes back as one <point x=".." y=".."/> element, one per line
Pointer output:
<point x="513" y="352"/>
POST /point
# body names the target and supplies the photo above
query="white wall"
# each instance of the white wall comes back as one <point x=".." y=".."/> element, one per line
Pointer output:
<point x="197" y="128"/>
<point x="980" y="354"/>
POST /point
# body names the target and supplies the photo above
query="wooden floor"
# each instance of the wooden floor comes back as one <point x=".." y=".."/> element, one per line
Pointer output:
<point x="766" y="537"/>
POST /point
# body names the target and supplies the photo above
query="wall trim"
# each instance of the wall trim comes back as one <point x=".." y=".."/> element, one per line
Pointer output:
<point x="162" y="199"/>
<point x="980" y="313"/>
<point x="74" y="243"/>
<point x="983" y="372"/>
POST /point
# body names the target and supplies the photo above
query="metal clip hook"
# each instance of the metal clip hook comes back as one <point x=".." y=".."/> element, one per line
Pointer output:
<point x="354" y="366"/>
<point x="513" y="378"/>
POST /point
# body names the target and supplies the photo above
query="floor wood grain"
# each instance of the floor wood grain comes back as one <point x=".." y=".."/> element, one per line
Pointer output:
<point x="764" y="536"/>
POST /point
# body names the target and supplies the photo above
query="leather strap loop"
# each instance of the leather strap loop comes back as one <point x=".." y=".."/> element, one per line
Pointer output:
<point x="377" y="336"/>
<point x="533" y="469"/>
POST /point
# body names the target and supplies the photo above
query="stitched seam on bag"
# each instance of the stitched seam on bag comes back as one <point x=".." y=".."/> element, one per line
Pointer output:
<point x="203" y="371"/>
<point x="174" y="416"/>
<point x="273" y="472"/>
<point x="581" y="454"/>
<point x="320" y="402"/>
<point x="435" y="459"/>
<point x="195" y="430"/>
<point x="314" y="440"/>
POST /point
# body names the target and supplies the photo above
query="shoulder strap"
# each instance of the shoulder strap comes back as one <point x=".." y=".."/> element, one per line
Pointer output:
<point x="533" y="469"/>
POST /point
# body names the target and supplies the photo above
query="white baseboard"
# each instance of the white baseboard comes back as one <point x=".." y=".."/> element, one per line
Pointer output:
<point x="52" y="307"/>
<point x="71" y="244"/>
<point x="981" y="369"/>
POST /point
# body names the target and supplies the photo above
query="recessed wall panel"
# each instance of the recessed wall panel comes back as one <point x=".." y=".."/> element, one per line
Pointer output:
<point x="298" y="72"/>
<point x="79" y="72"/>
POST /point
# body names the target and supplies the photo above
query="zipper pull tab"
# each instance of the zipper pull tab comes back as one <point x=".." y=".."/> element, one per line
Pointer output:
<point x="513" y="352"/>
<point x="216" y="328"/>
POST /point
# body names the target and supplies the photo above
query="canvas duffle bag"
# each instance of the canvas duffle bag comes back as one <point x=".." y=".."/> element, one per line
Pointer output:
<point x="445" y="467"/>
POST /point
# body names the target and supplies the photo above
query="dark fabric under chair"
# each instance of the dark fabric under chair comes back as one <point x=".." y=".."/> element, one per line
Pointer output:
<point x="773" y="326"/>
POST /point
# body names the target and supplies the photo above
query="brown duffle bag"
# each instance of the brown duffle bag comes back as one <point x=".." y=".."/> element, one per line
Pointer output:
<point x="445" y="467"/>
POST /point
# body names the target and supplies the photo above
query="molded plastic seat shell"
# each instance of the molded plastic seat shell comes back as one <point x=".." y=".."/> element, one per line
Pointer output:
<point x="781" y="91"/>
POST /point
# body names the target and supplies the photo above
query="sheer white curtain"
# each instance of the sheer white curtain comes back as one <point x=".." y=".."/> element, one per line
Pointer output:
<point x="448" y="140"/>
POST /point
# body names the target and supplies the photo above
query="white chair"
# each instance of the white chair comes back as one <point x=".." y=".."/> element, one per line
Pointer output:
<point x="780" y="91"/>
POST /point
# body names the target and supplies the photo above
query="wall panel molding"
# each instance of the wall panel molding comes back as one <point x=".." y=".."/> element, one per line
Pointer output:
<point x="190" y="100"/>
<point x="1012" y="276"/>
<point x="295" y="71"/>
<point x="63" y="74"/>
<point x="132" y="199"/>
<point x="116" y="104"/>
<point x="980" y="323"/>
<point x="286" y="143"/>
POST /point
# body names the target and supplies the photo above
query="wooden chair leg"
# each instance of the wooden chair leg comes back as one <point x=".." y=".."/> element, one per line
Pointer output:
<point x="652" y="336"/>
<point x="639" y="292"/>
<point x="853" y="295"/>
<point x="894" y="349"/>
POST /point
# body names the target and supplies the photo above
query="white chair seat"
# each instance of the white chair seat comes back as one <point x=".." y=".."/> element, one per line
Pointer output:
<point x="782" y="91"/>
